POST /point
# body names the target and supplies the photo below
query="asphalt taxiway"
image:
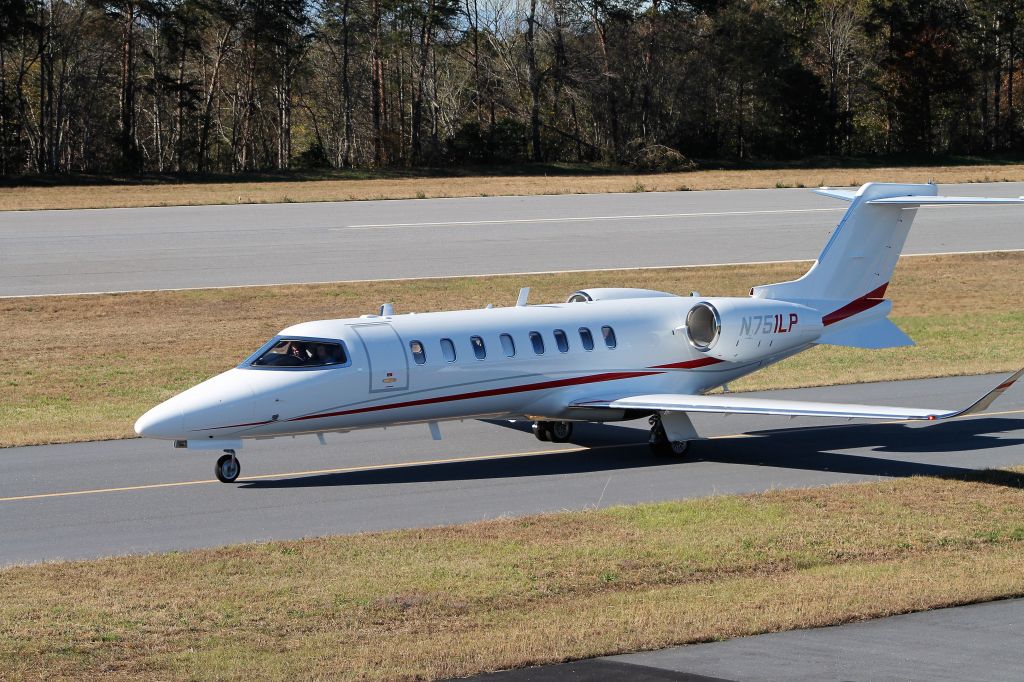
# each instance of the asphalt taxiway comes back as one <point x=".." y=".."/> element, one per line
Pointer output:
<point x="117" y="497"/>
<point x="977" y="642"/>
<point x="75" y="251"/>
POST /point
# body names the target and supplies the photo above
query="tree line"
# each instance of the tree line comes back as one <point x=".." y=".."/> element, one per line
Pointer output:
<point x="229" y="86"/>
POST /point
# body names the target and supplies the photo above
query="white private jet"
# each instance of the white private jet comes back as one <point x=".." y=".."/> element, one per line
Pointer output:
<point x="604" y="355"/>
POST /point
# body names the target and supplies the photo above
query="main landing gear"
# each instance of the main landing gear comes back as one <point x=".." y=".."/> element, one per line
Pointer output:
<point x="660" y="443"/>
<point x="555" y="432"/>
<point x="228" y="467"/>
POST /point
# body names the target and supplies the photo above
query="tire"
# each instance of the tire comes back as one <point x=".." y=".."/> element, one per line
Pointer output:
<point x="666" y="448"/>
<point x="227" y="468"/>
<point x="679" y="448"/>
<point x="542" y="430"/>
<point x="561" y="432"/>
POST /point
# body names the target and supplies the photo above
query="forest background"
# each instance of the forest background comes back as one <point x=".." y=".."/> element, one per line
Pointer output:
<point x="238" y="86"/>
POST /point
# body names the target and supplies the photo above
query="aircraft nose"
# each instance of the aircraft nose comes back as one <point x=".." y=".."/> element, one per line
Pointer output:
<point x="218" y="404"/>
<point x="163" y="421"/>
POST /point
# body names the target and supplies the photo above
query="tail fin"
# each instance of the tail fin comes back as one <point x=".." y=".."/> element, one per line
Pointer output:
<point x="859" y="258"/>
<point x="848" y="281"/>
<point x="850" y="276"/>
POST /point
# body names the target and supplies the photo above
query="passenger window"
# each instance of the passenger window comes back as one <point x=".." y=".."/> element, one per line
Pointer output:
<point x="478" y="347"/>
<point x="508" y="345"/>
<point x="562" y="341"/>
<point x="609" y="336"/>
<point x="586" y="338"/>
<point x="448" y="350"/>
<point x="418" y="354"/>
<point x="299" y="353"/>
<point x="538" y="343"/>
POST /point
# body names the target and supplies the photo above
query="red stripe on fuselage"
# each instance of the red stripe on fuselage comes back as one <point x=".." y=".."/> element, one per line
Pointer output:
<point x="865" y="302"/>
<point x="689" y="365"/>
<point x="487" y="393"/>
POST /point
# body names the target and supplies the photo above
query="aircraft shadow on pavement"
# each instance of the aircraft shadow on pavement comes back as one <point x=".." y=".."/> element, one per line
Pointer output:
<point x="816" y="448"/>
<point x="624" y="448"/>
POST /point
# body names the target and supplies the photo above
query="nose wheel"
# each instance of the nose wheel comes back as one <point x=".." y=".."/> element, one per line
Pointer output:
<point x="660" y="443"/>
<point x="228" y="467"/>
<point x="555" y="432"/>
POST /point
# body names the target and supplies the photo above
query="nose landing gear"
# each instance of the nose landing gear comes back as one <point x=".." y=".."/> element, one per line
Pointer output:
<point x="228" y="467"/>
<point x="555" y="432"/>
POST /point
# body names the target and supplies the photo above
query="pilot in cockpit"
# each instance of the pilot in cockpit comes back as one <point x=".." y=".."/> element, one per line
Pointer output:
<point x="298" y="351"/>
<point x="322" y="355"/>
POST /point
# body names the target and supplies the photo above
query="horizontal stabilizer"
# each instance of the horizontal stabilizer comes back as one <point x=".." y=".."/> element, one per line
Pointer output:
<point x="843" y="194"/>
<point x="937" y="200"/>
<point x="732" y="404"/>
<point x="879" y="333"/>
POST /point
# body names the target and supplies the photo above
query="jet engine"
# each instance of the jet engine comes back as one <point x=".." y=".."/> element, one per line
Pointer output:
<point x="740" y="329"/>
<point x="611" y="294"/>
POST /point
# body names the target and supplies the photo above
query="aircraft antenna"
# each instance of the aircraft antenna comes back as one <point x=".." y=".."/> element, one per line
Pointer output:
<point x="524" y="295"/>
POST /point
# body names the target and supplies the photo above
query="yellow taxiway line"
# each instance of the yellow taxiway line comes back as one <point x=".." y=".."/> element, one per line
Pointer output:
<point x="426" y="462"/>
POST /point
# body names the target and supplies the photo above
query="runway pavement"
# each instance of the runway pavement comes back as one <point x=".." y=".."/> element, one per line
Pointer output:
<point x="977" y="642"/>
<point x="47" y="252"/>
<point x="96" y="499"/>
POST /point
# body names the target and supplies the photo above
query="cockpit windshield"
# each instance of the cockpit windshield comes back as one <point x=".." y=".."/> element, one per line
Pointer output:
<point x="301" y="353"/>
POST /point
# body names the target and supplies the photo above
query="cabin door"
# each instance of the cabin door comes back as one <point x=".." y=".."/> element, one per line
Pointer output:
<point x="388" y="363"/>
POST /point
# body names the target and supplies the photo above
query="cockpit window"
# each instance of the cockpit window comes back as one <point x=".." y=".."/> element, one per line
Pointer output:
<point x="299" y="353"/>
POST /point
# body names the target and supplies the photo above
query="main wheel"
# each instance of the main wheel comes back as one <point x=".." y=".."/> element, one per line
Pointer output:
<point x="661" y="445"/>
<point x="560" y="432"/>
<point x="542" y="430"/>
<point x="670" y="448"/>
<point x="227" y="468"/>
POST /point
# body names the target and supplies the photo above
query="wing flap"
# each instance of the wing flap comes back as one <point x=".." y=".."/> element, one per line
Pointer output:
<point x="731" y="404"/>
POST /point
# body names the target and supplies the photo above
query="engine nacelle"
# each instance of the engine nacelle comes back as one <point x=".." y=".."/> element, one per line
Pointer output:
<point x="741" y="329"/>
<point x="611" y="294"/>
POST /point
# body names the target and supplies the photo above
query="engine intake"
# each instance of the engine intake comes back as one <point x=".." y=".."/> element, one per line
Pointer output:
<point x="703" y="326"/>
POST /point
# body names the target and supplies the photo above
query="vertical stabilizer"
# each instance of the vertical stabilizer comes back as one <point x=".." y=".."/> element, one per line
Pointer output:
<point x="863" y="249"/>
<point x="847" y="282"/>
<point x="859" y="258"/>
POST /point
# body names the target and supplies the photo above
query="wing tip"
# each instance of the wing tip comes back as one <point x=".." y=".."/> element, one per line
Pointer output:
<point x="986" y="400"/>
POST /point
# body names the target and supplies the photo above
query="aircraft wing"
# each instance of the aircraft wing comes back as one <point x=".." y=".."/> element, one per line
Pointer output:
<point x="731" y="404"/>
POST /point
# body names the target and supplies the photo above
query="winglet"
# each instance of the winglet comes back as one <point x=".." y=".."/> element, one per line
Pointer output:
<point x="982" y="403"/>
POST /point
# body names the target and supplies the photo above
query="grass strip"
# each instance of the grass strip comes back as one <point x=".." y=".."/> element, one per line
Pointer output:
<point x="88" y="366"/>
<point x="255" y="192"/>
<point x="440" y="602"/>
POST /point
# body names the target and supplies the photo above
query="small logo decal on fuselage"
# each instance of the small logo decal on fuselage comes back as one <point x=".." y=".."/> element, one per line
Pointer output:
<point x="768" y="324"/>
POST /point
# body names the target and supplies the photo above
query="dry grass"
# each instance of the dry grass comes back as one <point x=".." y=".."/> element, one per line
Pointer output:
<point x="441" y="602"/>
<point x="112" y="196"/>
<point x="88" y="366"/>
